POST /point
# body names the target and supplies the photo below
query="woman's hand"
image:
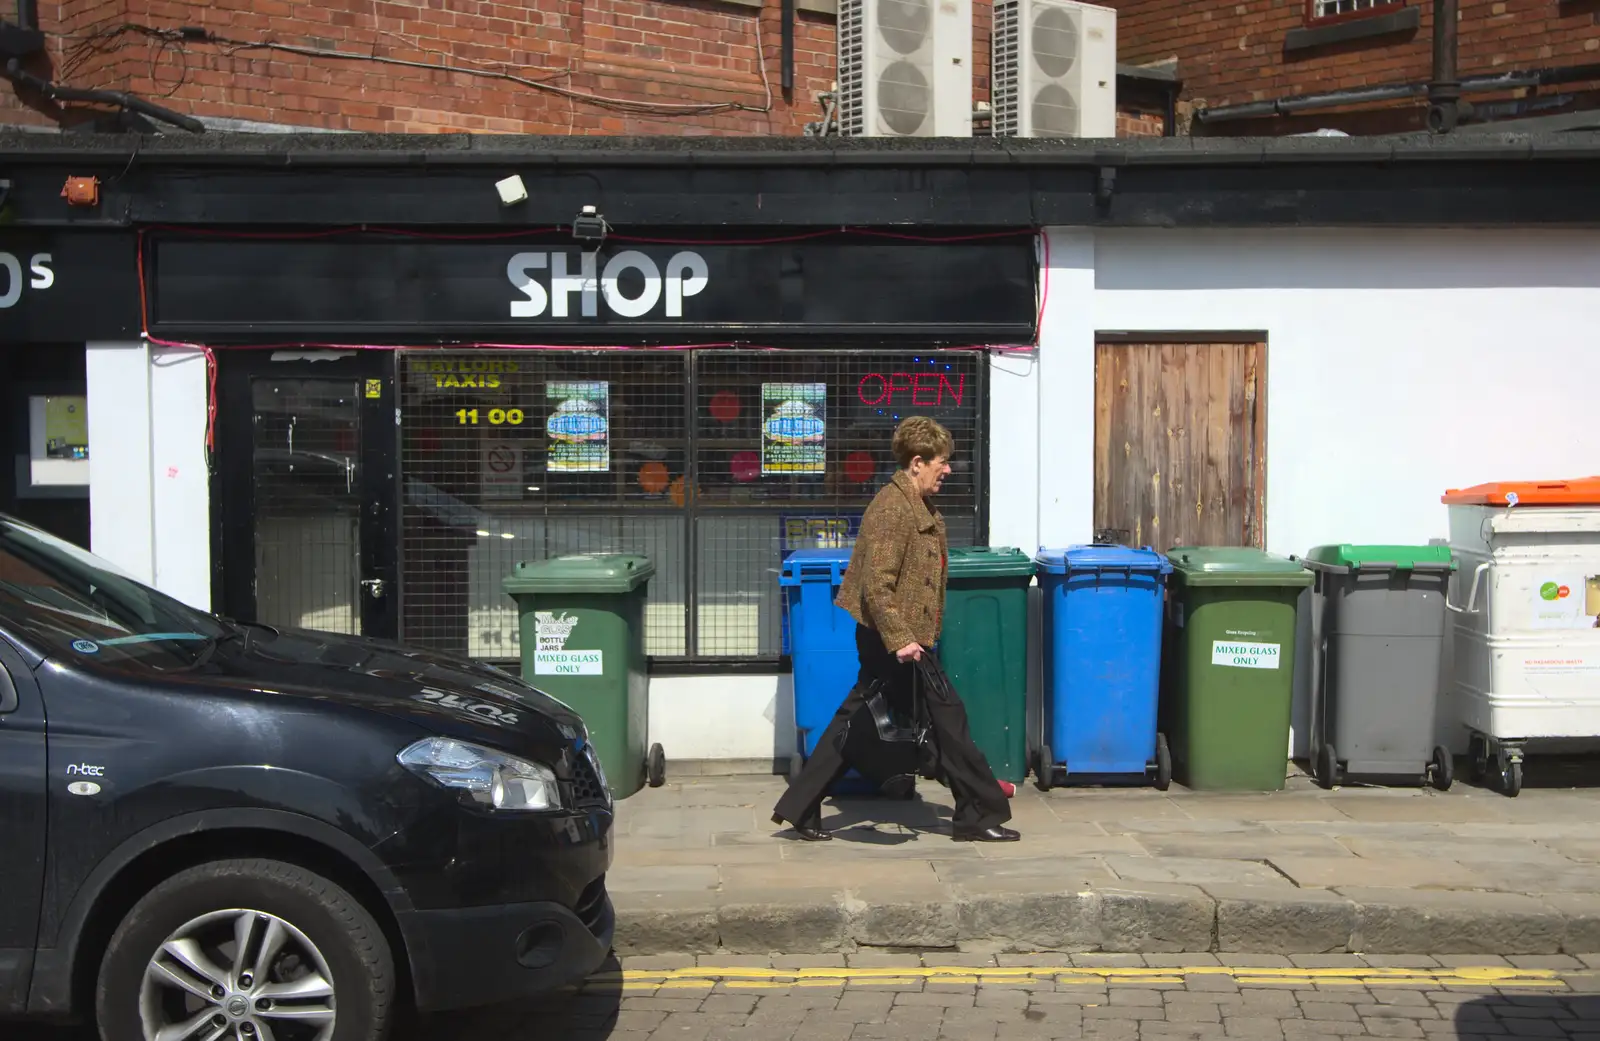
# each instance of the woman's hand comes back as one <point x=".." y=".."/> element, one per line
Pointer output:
<point x="910" y="652"/>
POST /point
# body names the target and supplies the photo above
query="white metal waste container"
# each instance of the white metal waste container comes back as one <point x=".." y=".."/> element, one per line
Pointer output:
<point x="1527" y="617"/>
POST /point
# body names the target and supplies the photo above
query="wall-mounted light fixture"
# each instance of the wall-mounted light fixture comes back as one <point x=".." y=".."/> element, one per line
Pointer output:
<point x="81" y="191"/>
<point x="512" y="190"/>
<point x="589" y="227"/>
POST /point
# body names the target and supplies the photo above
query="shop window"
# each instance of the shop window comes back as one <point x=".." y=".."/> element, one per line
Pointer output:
<point x="715" y="464"/>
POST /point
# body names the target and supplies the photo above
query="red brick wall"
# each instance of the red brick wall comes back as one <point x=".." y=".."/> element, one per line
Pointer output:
<point x="1140" y="122"/>
<point x="1232" y="53"/>
<point x="697" y="55"/>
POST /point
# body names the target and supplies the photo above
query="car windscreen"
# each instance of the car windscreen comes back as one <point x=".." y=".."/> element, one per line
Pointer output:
<point x="77" y="604"/>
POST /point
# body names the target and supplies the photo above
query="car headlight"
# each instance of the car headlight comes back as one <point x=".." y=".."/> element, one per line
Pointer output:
<point x="483" y="776"/>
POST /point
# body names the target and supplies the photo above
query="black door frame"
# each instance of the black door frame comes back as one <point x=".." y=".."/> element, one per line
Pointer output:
<point x="233" y="584"/>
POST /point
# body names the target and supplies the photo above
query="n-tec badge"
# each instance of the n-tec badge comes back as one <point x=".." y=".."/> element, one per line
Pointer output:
<point x="83" y="788"/>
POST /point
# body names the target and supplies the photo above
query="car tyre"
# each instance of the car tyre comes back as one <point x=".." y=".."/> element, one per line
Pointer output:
<point x="311" y="917"/>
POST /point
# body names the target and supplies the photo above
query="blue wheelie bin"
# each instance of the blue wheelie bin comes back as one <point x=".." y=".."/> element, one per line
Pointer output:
<point x="823" y="651"/>
<point x="1102" y="665"/>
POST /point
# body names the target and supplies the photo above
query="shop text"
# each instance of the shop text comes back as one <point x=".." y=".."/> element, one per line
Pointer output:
<point x="923" y="388"/>
<point x="1244" y="655"/>
<point x="495" y="416"/>
<point x="40" y="276"/>
<point x="474" y="373"/>
<point x="579" y="273"/>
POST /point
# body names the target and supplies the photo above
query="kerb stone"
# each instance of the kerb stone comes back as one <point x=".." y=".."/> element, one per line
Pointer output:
<point x="1275" y="920"/>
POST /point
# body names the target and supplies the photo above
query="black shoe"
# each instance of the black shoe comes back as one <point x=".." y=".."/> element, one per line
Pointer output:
<point x="809" y="833"/>
<point x="900" y="786"/>
<point x="994" y="834"/>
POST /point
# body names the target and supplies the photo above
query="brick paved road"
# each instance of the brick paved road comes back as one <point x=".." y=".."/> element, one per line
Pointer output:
<point x="1105" y="998"/>
<point x="1042" y="998"/>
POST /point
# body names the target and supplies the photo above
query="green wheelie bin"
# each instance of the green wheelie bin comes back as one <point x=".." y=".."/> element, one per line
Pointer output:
<point x="582" y="631"/>
<point x="1228" y="680"/>
<point x="984" y="649"/>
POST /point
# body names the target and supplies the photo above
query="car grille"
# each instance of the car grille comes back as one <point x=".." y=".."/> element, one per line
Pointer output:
<point x="588" y="790"/>
<point x="592" y="905"/>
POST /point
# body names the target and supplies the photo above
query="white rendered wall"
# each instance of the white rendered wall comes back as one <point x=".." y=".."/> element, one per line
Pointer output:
<point x="1399" y="363"/>
<point x="149" y="492"/>
<point x="723" y="717"/>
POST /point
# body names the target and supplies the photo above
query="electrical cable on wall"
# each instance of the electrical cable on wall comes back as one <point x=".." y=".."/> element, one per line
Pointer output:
<point x="101" y="42"/>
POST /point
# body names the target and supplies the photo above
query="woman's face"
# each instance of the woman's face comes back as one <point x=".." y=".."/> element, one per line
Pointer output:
<point x="929" y="475"/>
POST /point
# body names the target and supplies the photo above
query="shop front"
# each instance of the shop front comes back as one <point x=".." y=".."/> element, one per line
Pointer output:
<point x="400" y="418"/>
<point x="58" y="293"/>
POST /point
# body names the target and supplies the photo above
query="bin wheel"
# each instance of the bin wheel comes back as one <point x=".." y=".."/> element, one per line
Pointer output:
<point x="1163" y="763"/>
<point x="1510" y="776"/>
<point x="1328" y="767"/>
<point x="1442" y="771"/>
<point x="1478" y="756"/>
<point x="655" y="766"/>
<point x="797" y="763"/>
<point x="1044" y="769"/>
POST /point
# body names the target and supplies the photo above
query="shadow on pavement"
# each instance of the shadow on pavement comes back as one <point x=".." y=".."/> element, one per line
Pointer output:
<point x="888" y="822"/>
<point x="1541" y="771"/>
<point x="1505" y="1017"/>
<point x="587" y="1013"/>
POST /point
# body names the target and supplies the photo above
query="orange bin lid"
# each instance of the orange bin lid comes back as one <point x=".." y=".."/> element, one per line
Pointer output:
<point x="1579" y="491"/>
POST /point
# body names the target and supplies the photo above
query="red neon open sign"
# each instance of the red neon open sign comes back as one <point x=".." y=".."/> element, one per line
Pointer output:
<point x="924" y="388"/>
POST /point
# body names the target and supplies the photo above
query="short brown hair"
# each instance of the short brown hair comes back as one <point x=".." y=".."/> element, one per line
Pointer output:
<point x="919" y="435"/>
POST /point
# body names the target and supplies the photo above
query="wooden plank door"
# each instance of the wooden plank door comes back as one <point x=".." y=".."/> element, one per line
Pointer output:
<point x="1180" y="443"/>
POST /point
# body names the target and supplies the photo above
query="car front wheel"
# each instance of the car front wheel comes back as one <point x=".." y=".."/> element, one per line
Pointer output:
<point x="246" y="950"/>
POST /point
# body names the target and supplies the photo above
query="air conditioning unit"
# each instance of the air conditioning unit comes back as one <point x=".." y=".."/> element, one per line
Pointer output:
<point x="1054" y="71"/>
<point x="905" y="68"/>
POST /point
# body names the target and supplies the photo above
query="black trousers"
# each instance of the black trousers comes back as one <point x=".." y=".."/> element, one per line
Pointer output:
<point x="979" y="801"/>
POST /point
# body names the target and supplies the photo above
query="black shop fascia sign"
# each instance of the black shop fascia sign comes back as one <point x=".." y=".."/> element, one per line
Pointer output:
<point x="66" y="285"/>
<point x="412" y="287"/>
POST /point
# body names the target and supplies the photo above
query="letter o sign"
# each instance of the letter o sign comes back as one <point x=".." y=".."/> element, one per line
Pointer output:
<point x="638" y="306"/>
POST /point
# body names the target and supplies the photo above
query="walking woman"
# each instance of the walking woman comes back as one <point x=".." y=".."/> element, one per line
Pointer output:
<point x="894" y="589"/>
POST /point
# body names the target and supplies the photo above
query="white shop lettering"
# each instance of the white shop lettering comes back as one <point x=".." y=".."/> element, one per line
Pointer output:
<point x="41" y="276"/>
<point x="580" y="273"/>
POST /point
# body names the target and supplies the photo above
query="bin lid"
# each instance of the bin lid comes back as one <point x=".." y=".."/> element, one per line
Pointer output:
<point x="1101" y="558"/>
<point x="1577" y="491"/>
<point x="989" y="562"/>
<point x="814" y="565"/>
<point x="1236" y="566"/>
<point x="580" y="573"/>
<point x="1382" y="558"/>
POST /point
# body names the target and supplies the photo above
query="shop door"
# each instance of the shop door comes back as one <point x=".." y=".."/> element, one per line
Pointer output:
<point x="1180" y="443"/>
<point x="309" y="489"/>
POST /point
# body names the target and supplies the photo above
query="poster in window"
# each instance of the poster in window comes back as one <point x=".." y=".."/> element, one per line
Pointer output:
<point x="66" y="427"/>
<point x="794" y="431"/>
<point x="579" y="427"/>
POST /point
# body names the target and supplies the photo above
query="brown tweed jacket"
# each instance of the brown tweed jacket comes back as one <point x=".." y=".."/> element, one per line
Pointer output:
<point x="895" y="581"/>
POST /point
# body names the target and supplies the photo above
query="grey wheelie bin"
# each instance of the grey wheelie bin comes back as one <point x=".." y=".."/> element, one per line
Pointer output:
<point x="1377" y="624"/>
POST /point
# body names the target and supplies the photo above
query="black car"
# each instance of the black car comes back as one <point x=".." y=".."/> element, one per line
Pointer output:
<point x="212" y="830"/>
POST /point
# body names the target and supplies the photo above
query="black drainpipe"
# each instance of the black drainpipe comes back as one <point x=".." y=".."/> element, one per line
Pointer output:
<point x="1444" y="90"/>
<point x="27" y="14"/>
<point x="786" y="49"/>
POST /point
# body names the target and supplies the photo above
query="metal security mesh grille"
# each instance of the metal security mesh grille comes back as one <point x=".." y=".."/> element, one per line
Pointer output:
<point x="1005" y="70"/>
<point x="715" y="464"/>
<point x="308" y="499"/>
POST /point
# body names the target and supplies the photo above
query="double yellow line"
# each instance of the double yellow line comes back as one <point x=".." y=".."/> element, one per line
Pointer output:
<point x="706" y="977"/>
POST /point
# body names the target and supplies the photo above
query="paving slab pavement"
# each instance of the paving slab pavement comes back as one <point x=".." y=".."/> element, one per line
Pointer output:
<point x="701" y="869"/>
